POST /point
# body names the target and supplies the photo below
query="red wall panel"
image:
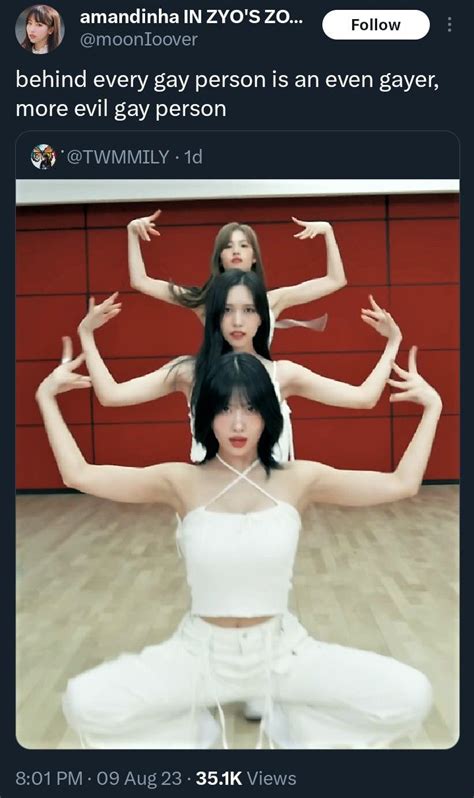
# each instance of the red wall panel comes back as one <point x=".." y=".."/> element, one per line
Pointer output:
<point x="36" y="467"/>
<point x="428" y="315"/>
<point x="405" y="257"/>
<point x="141" y="444"/>
<point x="424" y="251"/>
<point x="423" y="205"/>
<point x="43" y="217"/>
<point x="51" y="262"/>
<point x="41" y="322"/>
<point x="289" y="260"/>
<point x="358" y="443"/>
<point x="147" y="328"/>
<point x="182" y="254"/>
<point x="344" y="332"/>
<point x="219" y="212"/>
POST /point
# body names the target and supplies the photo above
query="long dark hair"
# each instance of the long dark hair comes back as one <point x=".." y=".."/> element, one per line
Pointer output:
<point x="245" y="375"/>
<point x="47" y="16"/>
<point x="214" y="344"/>
<point x="194" y="296"/>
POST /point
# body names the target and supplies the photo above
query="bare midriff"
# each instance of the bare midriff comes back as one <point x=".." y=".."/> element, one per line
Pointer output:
<point x="236" y="623"/>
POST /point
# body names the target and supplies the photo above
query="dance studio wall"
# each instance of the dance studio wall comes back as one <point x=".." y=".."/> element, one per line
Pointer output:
<point x="404" y="249"/>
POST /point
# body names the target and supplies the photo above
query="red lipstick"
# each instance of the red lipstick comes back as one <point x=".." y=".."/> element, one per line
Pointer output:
<point x="238" y="443"/>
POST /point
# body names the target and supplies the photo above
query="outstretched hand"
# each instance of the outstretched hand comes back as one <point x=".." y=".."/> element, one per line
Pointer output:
<point x="64" y="378"/>
<point x="413" y="388"/>
<point x="310" y="229"/>
<point x="381" y="321"/>
<point x="144" y="227"/>
<point x="98" y="315"/>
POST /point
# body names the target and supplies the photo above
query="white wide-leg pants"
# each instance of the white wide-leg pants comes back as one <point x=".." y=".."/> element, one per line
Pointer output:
<point x="316" y="695"/>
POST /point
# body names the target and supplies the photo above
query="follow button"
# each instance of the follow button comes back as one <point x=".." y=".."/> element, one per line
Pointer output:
<point x="373" y="24"/>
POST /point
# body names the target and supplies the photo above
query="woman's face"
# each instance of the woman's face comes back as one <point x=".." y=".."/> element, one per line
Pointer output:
<point x="238" y="253"/>
<point x="38" y="32"/>
<point x="240" y="320"/>
<point x="238" y="429"/>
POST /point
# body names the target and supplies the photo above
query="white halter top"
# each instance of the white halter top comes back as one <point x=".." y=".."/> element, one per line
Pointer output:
<point x="239" y="564"/>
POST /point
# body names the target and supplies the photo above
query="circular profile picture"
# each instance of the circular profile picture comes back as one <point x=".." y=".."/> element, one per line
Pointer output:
<point x="43" y="156"/>
<point x="39" y="29"/>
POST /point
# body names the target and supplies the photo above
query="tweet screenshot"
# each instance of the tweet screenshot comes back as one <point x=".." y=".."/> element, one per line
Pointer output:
<point x="232" y="331"/>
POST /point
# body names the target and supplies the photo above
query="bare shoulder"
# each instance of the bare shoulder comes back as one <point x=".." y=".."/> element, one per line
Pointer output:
<point x="304" y="469"/>
<point x="307" y="473"/>
<point x="309" y="478"/>
<point x="274" y="297"/>
<point x="287" y="372"/>
<point x="298" y="474"/>
<point x="181" y="478"/>
<point x="175" y="473"/>
<point x="292" y="482"/>
<point x="286" y="368"/>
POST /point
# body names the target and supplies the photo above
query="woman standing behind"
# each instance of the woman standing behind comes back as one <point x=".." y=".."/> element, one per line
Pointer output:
<point x="236" y="247"/>
<point x="237" y="318"/>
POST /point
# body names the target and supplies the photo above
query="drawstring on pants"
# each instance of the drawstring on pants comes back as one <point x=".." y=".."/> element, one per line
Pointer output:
<point x="205" y="671"/>
<point x="204" y="668"/>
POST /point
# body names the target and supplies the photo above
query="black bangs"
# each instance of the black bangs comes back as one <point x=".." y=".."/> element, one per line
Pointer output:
<point x="245" y="375"/>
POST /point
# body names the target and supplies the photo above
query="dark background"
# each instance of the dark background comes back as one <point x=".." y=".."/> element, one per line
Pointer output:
<point x="288" y="49"/>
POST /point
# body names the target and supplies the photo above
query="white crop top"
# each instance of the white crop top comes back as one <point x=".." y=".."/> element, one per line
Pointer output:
<point x="239" y="564"/>
<point x="283" y="449"/>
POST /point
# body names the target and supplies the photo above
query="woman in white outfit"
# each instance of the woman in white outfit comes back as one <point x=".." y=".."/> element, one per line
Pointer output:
<point x="240" y="512"/>
<point x="237" y="317"/>
<point x="236" y="247"/>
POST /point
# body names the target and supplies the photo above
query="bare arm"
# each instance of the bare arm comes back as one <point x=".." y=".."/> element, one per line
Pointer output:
<point x="151" y="484"/>
<point x="282" y="298"/>
<point x="174" y="376"/>
<point x="300" y="381"/>
<point x="365" y="488"/>
<point x="143" y="229"/>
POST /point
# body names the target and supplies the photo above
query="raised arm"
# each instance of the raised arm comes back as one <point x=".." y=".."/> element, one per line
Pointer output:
<point x="143" y="229"/>
<point x="150" y="484"/>
<point x="299" y="381"/>
<point x="174" y="376"/>
<point x="364" y="488"/>
<point x="282" y="298"/>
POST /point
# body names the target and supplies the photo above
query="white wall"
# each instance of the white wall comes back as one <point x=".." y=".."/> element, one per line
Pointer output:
<point x="59" y="192"/>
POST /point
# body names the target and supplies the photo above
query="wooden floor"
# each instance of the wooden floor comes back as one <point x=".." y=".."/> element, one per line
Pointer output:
<point x="97" y="578"/>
